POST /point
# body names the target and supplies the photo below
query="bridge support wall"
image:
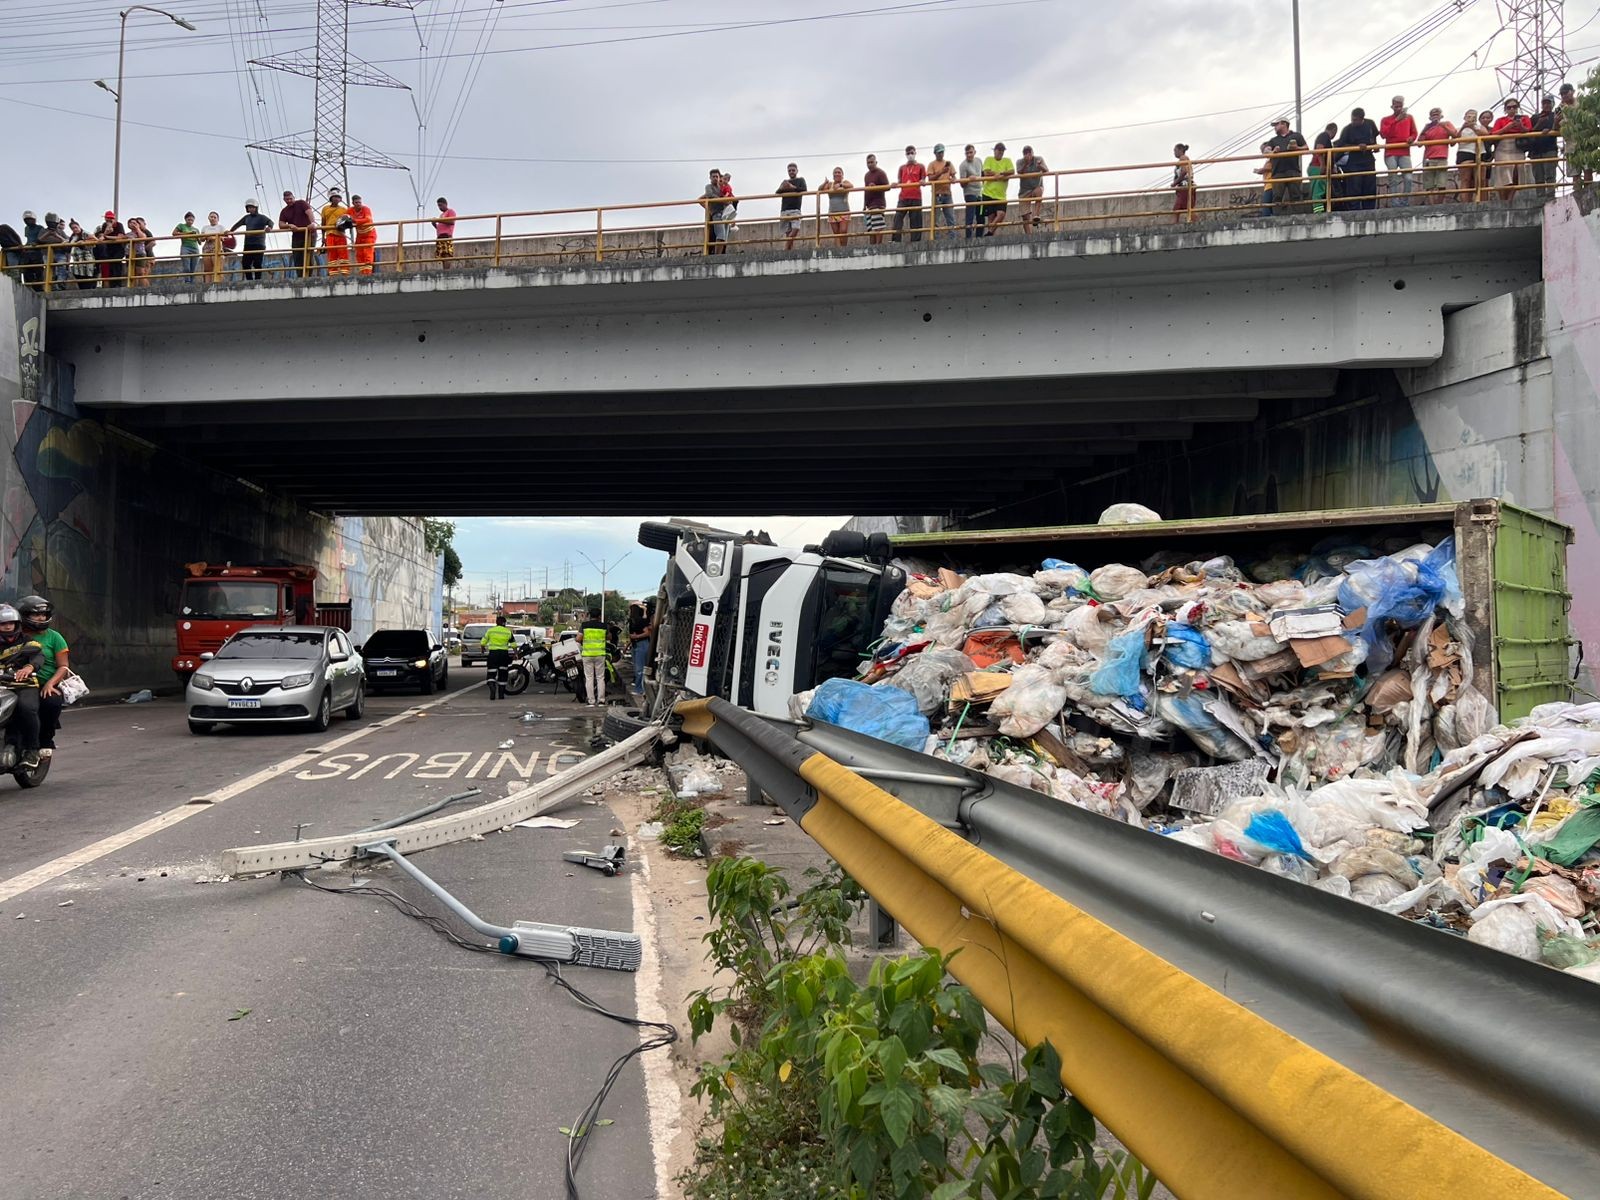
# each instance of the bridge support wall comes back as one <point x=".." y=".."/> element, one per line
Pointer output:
<point x="102" y="523"/>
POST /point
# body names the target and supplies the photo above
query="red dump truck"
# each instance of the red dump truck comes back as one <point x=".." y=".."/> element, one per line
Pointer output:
<point x="219" y="599"/>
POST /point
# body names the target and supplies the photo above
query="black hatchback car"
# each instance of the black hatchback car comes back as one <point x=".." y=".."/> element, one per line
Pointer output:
<point x="398" y="658"/>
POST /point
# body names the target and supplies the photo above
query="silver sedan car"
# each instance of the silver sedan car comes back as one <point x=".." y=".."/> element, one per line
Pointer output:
<point x="278" y="674"/>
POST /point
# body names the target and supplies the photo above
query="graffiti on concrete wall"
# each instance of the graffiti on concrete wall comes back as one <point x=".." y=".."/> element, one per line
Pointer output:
<point x="102" y="523"/>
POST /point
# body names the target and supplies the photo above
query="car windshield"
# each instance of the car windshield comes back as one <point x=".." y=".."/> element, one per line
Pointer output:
<point x="229" y="599"/>
<point x="304" y="646"/>
<point x="397" y="643"/>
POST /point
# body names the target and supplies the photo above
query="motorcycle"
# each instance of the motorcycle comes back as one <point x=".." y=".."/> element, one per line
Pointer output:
<point x="566" y="659"/>
<point x="532" y="663"/>
<point x="11" y="754"/>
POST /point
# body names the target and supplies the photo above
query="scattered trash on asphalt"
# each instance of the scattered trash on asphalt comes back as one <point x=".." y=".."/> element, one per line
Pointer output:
<point x="650" y="831"/>
<point x="545" y="823"/>
<point x="775" y="821"/>
<point x="508" y="743"/>
<point x="1313" y="716"/>
<point x="609" y="861"/>
<point x="142" y="696"/>
<point x="66" y="904"/>
<point x="529" y="717"/>
<point x="240" y="1014"/>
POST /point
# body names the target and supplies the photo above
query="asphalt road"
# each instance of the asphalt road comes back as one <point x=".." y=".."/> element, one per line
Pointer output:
<point x="373" y="1057"/>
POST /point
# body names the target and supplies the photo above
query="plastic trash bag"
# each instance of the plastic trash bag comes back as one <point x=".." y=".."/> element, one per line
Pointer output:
<point x="1193" y="715"/>
<point x="1272" y="831"/>
<point x="1406" y="592"/>
<point x="928" y="677"/>
<point x="1030" y="703"/>
<point x="992" y="615"/>
<point x="1235" y="640"/>
<point x="1024" y="608"/>
<point x="888" y="714"/>
<point x="1114" y="581"/>
<point x="1001" y="583"/>
<point x="1120" y="670"/>
<point x="1091" y="626"/>
<point x="1186" y="647"/>
<point x="1128" y="514"/>
<point x="1066" y="578"/>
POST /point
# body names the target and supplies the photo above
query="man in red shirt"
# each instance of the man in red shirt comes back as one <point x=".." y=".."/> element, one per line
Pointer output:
<point x="444" y="234"/>
<point x="912" y="173"/>
<point x="1399" y="131"/>
<point x="297" y="217"/>
<point x="1508" y="154"/>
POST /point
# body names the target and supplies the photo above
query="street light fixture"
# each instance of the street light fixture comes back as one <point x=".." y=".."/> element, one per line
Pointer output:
<point x="116" y="93"/>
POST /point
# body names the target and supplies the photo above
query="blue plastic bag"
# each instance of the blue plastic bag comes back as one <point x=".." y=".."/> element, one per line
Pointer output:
<point x="1187" y="647"/>
<point x="886" y="713"/>
<point x="1392" y="589"/>
<point x="1118" y="672"/>
<point x="1272" y="830"/>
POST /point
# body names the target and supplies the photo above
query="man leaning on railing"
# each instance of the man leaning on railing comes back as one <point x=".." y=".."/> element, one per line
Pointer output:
<point x="1542" y="148"/>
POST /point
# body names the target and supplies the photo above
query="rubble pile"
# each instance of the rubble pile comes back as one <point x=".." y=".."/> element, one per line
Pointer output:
<point x="1316" y="717"/>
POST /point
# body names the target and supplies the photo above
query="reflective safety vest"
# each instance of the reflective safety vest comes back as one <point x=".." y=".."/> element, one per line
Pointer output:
<point x="594" y="641"/>
<point x="499" y="637"/>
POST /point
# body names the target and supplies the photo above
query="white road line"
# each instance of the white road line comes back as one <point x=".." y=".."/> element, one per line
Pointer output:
<point x="58" y="867"/>
<point x="662" y="1096"/>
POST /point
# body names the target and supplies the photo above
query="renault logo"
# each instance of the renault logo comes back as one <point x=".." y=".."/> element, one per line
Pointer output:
<point x="247" y="684"/>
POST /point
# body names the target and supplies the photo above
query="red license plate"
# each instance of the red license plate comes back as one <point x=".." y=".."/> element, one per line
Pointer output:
<point x="697" y="645"/>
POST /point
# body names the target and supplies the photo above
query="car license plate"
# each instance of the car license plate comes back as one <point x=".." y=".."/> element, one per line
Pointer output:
<point x="238" y="703"/>
<point x="388" y="672"/>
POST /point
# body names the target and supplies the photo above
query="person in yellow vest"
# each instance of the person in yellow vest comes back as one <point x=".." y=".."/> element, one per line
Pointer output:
<point x="335" y="216"/>
<point x="366" y="238"/>
<point x="593" y="634"/>
<point x="497" y="641"/>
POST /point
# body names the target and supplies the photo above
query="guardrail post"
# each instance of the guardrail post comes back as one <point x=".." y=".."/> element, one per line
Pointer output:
<point x="400" y="248"/>
<point x="497" y="222"/>
<point x="599" y="234"/>
<point x="883" y="931"/>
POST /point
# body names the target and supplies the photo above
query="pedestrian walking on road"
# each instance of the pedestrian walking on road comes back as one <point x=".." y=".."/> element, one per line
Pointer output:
<point x="336" y="233"/>
<point x="592" y="634"/>
<point x="970" y="173"/>
<point x="912" y="173"/>
<point x="444" y="234"/>
<point x="875" y="185"/>
<point x="296" y="217"/>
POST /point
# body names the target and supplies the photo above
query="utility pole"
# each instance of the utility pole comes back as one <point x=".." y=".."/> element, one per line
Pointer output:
<point x="116" y="93"/>
<point x="605" y="569"/>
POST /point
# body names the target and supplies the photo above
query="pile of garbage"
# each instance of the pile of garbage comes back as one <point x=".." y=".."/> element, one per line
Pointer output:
<point x="1316" y="717"/>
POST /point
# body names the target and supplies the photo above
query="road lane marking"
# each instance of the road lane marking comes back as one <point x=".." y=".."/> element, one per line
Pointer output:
<point x="58" y="867"/>
<point x="662" y="1097"/>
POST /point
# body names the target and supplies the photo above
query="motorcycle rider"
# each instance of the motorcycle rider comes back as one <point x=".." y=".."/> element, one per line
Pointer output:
<point x="21" y="656"/>
<point x="497" y="640"/>
<point x="37" y="613"/>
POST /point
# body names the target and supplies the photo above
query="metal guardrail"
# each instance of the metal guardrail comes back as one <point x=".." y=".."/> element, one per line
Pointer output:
<point x="1066" y="199"/>
<point x="1240" y="1033"/>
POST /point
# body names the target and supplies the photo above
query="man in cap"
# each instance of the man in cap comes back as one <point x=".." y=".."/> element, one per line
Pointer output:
<point x="32" y="258"/>
<point x="1542" y="149"/>
<point x="111" y="251"/>
<point x="255" y="225"/>
<point x="335" y="219"/>
<point x="912" y="173"/>
<point x="1435" y="141"/>
<point x="366" y="235"/>
<point x="52" y="252"/>
<point x="296" y="216"/>
<point x="997" y="173"/>
<point x="941" y="174"/>
<point x="1284" y="175"/>
<point x="444" y="234"/>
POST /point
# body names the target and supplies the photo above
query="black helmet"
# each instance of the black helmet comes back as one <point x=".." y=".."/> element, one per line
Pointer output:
<point x="36" y="611"/>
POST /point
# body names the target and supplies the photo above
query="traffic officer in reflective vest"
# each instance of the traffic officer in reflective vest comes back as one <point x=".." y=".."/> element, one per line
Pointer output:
<point x="497" y="641"/>
<point x="593" y="632"/>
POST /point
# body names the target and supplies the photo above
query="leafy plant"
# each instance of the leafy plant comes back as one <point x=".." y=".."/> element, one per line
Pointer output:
<point x="874" y="1090"/>
<point x="681" y="823"/>
<point x="1580" y="128"/>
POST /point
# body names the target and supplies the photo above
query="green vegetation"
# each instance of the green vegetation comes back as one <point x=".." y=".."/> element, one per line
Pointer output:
<point x="438" y="536"/>
<point x="873" y="1091"/>
<point x="681" y="823"/>
<point x="1580" y="128"/>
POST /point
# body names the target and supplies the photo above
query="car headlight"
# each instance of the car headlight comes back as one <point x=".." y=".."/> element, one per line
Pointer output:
<point x="294" y="681"/>
<point x="420" y="663"/>
<point x="204" y="682"/>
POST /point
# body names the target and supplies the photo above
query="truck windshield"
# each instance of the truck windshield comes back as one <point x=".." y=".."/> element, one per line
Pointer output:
<point x="229" y="599"/>
<point x="845" y="626"/>
<point x="273" y="645"/>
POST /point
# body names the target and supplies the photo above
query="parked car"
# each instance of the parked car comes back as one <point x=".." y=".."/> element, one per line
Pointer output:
<point x="471" y="651"/>
<point x="277" y="674"/>
<point x="404" y="658"/>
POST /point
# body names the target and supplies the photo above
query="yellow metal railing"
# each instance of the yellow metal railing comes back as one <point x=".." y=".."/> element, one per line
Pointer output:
<point x="660" y="229"/>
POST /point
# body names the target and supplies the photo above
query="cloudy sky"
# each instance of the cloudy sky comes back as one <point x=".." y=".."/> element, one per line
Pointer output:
<point x="537" y="104"/>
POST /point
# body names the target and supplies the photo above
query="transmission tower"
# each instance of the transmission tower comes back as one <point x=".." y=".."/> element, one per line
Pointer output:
<point x="328" y="145"/>
<point x="1539" y="61"/>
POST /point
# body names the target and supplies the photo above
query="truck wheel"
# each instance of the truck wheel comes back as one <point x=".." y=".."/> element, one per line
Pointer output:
<point x="324" y="717"/>
<point x="623" y="723"/>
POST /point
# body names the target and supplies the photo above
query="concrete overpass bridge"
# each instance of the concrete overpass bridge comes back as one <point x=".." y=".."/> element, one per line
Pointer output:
<point x="955" y="377"/>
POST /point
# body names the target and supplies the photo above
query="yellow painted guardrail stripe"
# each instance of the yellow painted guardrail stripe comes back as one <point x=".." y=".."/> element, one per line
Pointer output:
<point x="1219" y="1103"/>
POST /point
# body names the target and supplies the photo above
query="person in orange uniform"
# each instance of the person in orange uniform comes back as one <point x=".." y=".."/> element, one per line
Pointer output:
<point x="334" y="242"/>
<point x="366" y="235"/>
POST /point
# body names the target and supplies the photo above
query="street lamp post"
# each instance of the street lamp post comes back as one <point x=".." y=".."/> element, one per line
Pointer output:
<point x="1299" y="113"/>
<point x="116" y="94"/>
<point x="605" y="568"/>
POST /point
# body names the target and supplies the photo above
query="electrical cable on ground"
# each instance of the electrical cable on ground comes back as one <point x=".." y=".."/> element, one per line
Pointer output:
<point x="583" y="1125"/>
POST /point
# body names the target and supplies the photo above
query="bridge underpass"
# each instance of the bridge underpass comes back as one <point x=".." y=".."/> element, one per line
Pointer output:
<point x="950" y="378"/>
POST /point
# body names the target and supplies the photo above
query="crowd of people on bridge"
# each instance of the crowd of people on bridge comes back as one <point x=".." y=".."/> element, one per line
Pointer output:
<point x="339" y="239"/>
<point x="1434" y="161"/>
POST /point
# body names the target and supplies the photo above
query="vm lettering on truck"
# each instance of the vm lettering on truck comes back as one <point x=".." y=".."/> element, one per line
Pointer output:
<point x="697" y="645"/>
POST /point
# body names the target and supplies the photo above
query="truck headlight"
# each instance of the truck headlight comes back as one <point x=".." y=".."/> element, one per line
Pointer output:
<point x="294" y="681"/>
<point x="204" y="682"/>
<point x="716" y="555"/>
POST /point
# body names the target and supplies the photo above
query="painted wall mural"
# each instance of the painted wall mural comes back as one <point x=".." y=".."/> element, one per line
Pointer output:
<point x="102" y="523"/>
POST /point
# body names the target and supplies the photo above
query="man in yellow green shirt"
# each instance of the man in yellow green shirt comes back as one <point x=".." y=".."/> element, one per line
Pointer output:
<point x="997" y="173"/>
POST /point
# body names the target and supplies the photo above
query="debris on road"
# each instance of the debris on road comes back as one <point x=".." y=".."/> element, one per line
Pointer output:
<point x="609" y="861"/>
<point x="545" y="823"/>
<point x="240" y="1014"/>
<point x="142" y="696"/>
<point x="508" y="744"/>
<point x="1314" y="717"/>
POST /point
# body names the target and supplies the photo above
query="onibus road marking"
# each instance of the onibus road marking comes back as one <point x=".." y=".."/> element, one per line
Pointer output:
<point x="58" y="867"/>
